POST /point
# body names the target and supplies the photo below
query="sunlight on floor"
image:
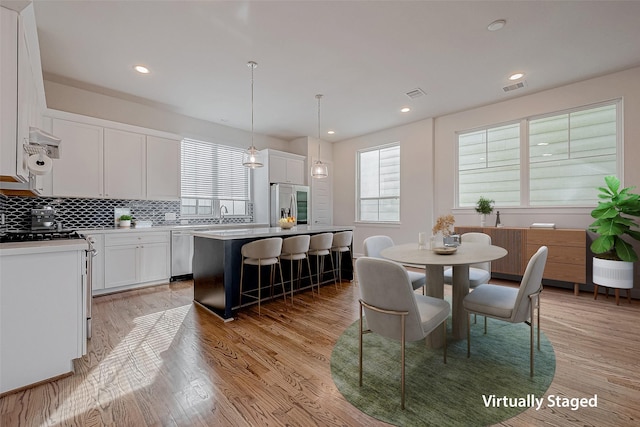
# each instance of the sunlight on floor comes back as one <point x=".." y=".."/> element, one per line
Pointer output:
<point x="133" y="364"/>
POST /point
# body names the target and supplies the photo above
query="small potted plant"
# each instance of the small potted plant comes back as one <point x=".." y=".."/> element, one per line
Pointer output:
<point x="484" y="207"/>
<point x="124" y="221"/>
<point x="615" y="216"/>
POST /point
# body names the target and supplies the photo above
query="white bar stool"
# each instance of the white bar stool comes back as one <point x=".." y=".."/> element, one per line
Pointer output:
<point x="341" y="244"/>
<point x="320" y="247"/>
<point x="295" y="249"/>
<point x="262" y="253"/>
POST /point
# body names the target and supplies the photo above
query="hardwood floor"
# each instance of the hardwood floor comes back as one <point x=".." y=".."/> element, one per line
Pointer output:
<point x="156" y="358"/>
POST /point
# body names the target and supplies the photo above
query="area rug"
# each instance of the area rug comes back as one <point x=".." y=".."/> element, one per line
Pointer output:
<point x="487" y="388"/>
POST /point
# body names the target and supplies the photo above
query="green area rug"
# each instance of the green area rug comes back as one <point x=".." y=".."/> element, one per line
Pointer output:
<point x="444" y="395"/>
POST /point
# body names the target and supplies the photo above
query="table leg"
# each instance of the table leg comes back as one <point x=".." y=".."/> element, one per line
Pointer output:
<point x="435" y="288"/>
<point x="460" y="290"/>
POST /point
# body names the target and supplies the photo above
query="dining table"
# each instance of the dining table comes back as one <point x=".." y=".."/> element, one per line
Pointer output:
<point x="434" y="262"/>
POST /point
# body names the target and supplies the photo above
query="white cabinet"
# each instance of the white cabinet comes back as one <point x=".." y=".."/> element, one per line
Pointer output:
<point x="42" y="314"/>
<point x="124" y="164"/>
<point x="133" y="258"/>
<point x="79" y="170"/>
<point x="8" y="90"/>
<point x="286" y="167"/>
<point x="163" y="168"/>
<point x="97" y="263"/>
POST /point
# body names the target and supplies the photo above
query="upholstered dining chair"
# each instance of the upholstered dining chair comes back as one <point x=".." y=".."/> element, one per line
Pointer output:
<point x="392" y="309"/>
<point x="513" y="305"/>
<point x="373" y="245"/>
<point x="319" y="247"/>
<point x="479" y="273"/>
<point x="341" y="244"/>
<point x="261" y="253"/>
<point x="295" y="248"/>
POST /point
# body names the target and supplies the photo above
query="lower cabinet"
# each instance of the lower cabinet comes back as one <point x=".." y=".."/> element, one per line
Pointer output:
<point x="132" y="258"/>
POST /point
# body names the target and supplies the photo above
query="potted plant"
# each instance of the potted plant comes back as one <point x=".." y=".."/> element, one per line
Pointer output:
<point x="614" y="218"/>
<point x="443" y="226"/>
<point x="484" y="207"/>
<point x="124" y="221"/>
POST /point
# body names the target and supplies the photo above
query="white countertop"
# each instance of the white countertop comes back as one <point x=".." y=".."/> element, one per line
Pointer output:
<point x="20" y="248"/>
<point x="244" y="233"/>
<point x="193" y="227"/>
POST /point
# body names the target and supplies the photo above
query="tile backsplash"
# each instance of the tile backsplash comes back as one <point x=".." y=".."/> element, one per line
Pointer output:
<point x="76" y="213"/>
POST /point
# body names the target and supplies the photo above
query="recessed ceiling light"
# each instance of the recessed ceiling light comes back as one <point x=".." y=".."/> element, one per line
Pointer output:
<point x="497" y="25"/>
<point x="516" y="76"/>
<point x="405" y="109"/>
<point x="331" y="132"/>
<point x="141" y="69"/>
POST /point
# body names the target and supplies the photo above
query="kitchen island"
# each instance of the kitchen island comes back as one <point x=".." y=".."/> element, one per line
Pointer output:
<point x="217" y="261"/>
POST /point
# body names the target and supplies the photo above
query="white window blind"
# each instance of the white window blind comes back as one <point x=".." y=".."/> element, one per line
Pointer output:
<point x="213" y="171"/>
<point x="489" y="165"/>
<point x="570" y="154"/>
<point x="379" y="184"/>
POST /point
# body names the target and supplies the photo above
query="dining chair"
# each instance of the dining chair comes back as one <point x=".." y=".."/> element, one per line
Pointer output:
<point x="261" y="253"/>
<point x="373" y="245"/>
<point x="393" y="310"/>
<point x="513" y="305"/>
<point x="479" y="273"/>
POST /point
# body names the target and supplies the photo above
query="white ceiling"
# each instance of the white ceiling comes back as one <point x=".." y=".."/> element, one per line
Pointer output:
<point x="362" y="55"/>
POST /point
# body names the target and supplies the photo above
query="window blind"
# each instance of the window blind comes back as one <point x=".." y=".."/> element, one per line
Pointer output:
<point x="379" y="184"/>
<point x="213" y="171"/>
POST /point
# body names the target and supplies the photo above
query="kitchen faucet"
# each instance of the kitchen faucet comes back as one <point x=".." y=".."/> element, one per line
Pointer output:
<point x="223" y="207"/>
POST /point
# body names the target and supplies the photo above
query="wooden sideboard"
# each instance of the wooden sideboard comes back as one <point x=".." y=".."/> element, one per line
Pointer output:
<point x="566" y="261"/>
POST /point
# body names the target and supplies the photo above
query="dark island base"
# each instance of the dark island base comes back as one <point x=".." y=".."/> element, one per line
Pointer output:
<point x="216" y="275"/>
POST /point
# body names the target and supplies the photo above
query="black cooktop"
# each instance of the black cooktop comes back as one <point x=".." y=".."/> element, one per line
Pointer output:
<point x="34" y="236"/>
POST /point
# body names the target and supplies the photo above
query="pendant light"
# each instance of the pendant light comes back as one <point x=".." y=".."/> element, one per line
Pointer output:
<point x="319" y="169"/>
<point x="252" y="158"/>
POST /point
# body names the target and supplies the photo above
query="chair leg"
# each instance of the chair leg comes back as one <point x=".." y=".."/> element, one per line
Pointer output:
<point x="284" y="293"/>
<point x="469" y="334"/>
<point x="538" y="321"/>
<point x="310" y="276"/>
<point x="291" y="272"/>
<point x="531" y="341"/>
<point x="445" y="341"/>
<point x="485" y="325"/>
<point x="333" y="268"/>
<point x="259" y="287"/>
<point x="402" y="344"/>
<point x="359" y="344"/>
<point x="241" y="281"/>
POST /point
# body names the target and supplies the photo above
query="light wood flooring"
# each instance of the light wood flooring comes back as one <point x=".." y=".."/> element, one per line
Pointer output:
<point x="156" y="358"/>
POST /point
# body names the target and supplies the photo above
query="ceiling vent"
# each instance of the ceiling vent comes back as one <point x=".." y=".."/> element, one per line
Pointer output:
<point x="515" y="86"/>
<point x="415" y="93"/>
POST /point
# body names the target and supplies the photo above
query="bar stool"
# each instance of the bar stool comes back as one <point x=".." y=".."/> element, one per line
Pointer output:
<point x="295" y="249"/>
<point x="341" y="244"/>
<point x="320" y="247"/>
<point x="262" y="253"/>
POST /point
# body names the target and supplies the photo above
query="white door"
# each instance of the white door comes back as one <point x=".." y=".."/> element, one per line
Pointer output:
<point x="322" y="198"/>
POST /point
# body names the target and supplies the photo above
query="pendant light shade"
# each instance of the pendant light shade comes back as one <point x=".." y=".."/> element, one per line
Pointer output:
<point x="319" y="169"/>
<point x="252" y="158"/>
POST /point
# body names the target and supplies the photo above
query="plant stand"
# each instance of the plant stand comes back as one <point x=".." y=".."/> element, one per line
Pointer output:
<point x="612" y="274"/>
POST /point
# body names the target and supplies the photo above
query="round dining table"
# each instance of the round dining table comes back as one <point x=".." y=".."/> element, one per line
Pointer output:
<point x="466" y="254"/>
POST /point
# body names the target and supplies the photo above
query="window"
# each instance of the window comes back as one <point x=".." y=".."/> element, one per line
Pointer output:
<point x="558" y="159"/>
<point x="378" y="184"/>
<point x="212" y="176"/>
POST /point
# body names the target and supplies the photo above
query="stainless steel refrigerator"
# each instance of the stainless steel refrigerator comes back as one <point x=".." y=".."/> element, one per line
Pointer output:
<point x="290" y="200"/>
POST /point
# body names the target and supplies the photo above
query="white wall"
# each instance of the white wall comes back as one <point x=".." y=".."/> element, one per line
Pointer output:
<point x="80" y="101"/>
<point x="416" y="173"/>
<point x="625" y="84"/>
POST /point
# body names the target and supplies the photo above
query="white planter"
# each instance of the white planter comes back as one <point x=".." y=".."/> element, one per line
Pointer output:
<point x="613" y="274"/>
<point x="483" y="220"/>
<point x="124" y="223"/>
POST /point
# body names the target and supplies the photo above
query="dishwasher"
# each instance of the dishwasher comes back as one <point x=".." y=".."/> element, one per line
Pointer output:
<point x="181" y="254"/>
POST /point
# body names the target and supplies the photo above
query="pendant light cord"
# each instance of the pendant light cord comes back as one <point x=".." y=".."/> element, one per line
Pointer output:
<point x="318" y="97"/>
<point x="253" y="65"/>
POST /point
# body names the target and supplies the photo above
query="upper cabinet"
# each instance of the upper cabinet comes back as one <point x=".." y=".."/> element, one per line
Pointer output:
<point x="124" y="164"/>
<point x="163" y="168"/>
<point x="285" y="167"/>
<point x="21" y="91"/>
<point x="79" y="170"/>
<point x="97" y="161"/>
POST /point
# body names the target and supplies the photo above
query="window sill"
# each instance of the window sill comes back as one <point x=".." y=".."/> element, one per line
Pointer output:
<point x="379" y="223"/>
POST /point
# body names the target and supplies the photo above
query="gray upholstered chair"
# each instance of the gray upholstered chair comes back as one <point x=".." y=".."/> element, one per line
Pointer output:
<point x="479" y="273"/>
<point x="320" y="247"/>
<point x="373" y="245"/>
<point x="514" y="305"/>
<point x="295" y="249"/>
<point x="392" y="308"/>
<point x="261" y="253"/>
<point x="341" y="243"/>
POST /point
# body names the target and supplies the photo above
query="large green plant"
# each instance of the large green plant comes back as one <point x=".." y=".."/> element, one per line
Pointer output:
<point x="615" y="218"/>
